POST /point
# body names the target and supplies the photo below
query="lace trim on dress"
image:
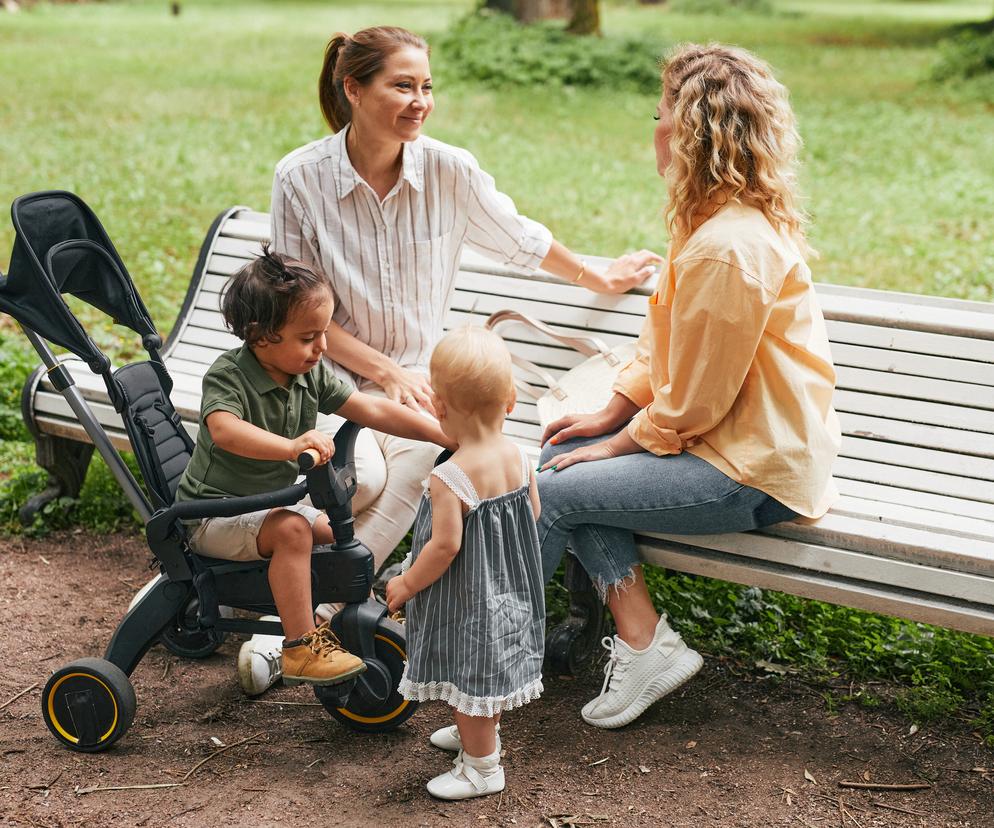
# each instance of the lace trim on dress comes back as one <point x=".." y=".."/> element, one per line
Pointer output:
<point x="469" y="705"/>
<point x="457" y="480"/>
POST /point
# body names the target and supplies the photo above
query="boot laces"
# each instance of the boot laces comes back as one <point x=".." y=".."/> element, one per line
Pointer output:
<point x="323" y="641"/>
<point x="617" y="663"/>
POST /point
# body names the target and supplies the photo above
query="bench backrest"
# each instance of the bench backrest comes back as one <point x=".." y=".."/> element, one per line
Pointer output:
<point x="915" y="374"/>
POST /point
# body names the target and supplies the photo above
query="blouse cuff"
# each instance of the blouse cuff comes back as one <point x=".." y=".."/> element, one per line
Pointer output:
<point x="536" y="239"/>
<point x="659" y="441"/>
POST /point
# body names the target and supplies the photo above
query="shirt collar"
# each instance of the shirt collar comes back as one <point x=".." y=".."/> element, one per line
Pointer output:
<point x="412" y="169"/>
<point x="261" y="381"/>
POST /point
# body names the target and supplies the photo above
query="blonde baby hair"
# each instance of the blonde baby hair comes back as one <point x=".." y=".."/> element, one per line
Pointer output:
<point x="734" y="136"/>
<point x="471" y="371"/>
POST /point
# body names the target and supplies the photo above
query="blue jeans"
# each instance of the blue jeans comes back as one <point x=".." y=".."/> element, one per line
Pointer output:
<point x="595" y="508"/>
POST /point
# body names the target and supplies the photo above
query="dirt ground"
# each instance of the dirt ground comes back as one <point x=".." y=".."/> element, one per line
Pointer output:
<point x="735" y="748"/>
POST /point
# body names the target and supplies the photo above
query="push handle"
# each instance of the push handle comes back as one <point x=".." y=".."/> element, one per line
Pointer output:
<point x="308" y="459"/>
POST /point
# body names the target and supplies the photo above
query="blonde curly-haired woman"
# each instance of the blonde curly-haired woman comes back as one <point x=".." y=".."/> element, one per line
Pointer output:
<point x="724" y="421"/>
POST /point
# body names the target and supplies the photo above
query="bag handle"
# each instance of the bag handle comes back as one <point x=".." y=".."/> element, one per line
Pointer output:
<point x="587" y="345"/>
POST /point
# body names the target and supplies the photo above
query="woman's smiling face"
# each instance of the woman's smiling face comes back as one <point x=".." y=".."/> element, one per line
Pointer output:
<point x="398" y="99"/>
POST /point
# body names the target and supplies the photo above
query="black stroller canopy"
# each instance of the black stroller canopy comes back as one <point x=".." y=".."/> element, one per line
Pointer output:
<point x="60" y="248"/>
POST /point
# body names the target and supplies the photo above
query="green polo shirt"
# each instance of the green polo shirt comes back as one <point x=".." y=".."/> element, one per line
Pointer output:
<point x="236" y="382"/>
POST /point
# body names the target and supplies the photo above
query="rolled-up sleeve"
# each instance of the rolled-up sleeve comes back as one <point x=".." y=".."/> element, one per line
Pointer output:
<point x="290" y="230"/>
<point x="707" y="338"/>
<point x="497" y="230"/>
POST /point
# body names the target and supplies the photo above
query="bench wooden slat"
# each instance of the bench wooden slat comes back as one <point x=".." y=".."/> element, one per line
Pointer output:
<point x="961" y="394"/>
<point x="914" y="411"/>
<point x="914" y="517"/>
<point x="238" y="248"/>
<point x="245" y="228"/>
<point x="888" y="494"/>
<point x="914" y="342"/>
<point x="825" y="558"/>
<point x="916" y="434"/>
<point x="911" y="457"/>
<point x="923" y="481"/>
<point x="899" y="362"/>
<point x="834" y="588"/>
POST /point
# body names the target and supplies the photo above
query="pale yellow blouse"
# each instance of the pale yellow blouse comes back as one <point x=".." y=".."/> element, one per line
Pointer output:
<point x="734" y="365"/>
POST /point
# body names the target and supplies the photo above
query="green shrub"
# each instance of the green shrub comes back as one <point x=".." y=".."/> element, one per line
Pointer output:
<point x="719" y="7"/>
<point x="944" y="670"/>
<point x="494" y="49"/>
<point x="968" y="55"/>
<point x="16" y="362"/>
<point x="101" y="506"/>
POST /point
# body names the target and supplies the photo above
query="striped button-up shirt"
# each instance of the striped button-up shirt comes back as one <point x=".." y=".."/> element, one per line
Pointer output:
<point x="392" y="264"/>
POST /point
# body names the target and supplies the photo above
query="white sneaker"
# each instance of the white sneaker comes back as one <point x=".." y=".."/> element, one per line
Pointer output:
<point x="634" y="679"/>
<point x="470" y="776"/>
<point x="447" y="738"/>
<point x="260" y="663"/>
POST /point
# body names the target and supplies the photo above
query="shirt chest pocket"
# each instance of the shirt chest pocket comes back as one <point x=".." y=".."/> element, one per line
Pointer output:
<point x="431" y="265"/>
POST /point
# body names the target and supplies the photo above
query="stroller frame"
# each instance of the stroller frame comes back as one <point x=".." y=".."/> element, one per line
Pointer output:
<point x="61" y="247"/>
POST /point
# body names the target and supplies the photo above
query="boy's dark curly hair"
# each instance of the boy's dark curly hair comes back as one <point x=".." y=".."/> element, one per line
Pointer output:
<point x="259" y="298"/>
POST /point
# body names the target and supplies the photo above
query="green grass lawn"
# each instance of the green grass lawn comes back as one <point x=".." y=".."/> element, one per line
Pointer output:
<point x="161" y="122"/>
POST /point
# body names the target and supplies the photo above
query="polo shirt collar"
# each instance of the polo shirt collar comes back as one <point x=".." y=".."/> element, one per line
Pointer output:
<point x="256" y="374"/>
<point x="412" y="164"/>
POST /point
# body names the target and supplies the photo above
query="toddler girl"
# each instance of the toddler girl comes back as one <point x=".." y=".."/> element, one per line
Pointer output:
<point x="476" y="612"/>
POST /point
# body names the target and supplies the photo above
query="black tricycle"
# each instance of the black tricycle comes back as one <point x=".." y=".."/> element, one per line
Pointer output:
<point x="61" y="249"/>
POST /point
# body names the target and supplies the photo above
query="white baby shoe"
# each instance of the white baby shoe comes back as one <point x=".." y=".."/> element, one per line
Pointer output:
<point x="447" y="738"/>
<point x="470" y="776"/>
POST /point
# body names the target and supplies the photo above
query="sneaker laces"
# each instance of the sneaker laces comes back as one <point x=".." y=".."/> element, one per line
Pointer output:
<point x="616" y="665"/>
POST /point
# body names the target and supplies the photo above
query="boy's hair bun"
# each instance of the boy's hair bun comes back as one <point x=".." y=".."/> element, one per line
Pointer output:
<point x="260" y="297"/>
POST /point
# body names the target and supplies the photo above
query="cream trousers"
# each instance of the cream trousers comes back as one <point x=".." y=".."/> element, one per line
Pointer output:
<point x="390" y="473"/>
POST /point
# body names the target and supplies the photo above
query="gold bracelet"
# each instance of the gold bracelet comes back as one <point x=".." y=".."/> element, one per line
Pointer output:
<point x="583" y="269"/>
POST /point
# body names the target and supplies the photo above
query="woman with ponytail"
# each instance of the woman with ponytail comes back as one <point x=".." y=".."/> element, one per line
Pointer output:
<point x="384" y="212"/>
<point x="724" y="421"/>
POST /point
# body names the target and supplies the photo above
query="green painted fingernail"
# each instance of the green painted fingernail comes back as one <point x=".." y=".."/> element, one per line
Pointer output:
<point x="555" y="467"/>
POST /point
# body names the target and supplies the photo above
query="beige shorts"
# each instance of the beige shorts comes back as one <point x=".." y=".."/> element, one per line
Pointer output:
<point x="236" y="538"/>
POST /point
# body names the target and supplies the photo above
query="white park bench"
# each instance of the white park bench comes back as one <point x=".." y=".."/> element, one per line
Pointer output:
<point x="912" y="536"/>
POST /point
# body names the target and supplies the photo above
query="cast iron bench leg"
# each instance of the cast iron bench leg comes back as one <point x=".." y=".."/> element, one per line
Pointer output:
<point x="572" y="642"/>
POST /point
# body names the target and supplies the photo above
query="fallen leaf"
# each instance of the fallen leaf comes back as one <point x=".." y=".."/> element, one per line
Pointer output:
<point x="217" y="742"/>
<point x="644" y="769"/>
<point x="913" y="730"/>
<point x="866" y="776"/>
<point x="691" y="745"/>
<point x="809" y="777"/>
<point x="773" y="667"/>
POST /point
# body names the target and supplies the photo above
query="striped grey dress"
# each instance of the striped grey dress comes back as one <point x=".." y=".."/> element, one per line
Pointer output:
<point x="476" y="637"/>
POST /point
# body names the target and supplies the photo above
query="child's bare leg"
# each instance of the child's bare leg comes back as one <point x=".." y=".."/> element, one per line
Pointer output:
<point x="477" y="733"/>
<point x="287" y="538"/>
<point x="322" y="531"/>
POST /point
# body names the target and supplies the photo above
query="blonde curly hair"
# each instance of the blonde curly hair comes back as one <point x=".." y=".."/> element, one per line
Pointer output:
<point x="734" y="136"/>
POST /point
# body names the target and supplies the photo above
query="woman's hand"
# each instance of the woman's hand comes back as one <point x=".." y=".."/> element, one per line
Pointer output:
<point x="627" y="271"/>
<point x="610" y="418"/>
<point x="398" y="593"/>
<point x="408" y="388"/>
<point x="619" y="445"/>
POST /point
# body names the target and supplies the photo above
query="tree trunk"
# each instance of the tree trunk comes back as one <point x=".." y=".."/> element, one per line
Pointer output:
<point x="528" y="11"/>
<point x="505" y="6"/>
<point x="586" y="18"/>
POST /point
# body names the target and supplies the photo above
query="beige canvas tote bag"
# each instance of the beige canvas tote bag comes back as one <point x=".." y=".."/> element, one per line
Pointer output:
<point x="583" y="389"/>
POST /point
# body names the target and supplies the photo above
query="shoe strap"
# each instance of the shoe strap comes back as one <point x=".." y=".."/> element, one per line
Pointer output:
<point x="469" y="773"/>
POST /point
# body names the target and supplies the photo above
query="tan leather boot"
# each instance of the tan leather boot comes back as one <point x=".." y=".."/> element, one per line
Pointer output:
<point x="319" y="658"/>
